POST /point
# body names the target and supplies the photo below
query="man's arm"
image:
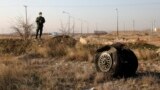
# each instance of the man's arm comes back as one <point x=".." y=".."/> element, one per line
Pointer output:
<point x="44" y="20"/>
<point x="37" y="20"/>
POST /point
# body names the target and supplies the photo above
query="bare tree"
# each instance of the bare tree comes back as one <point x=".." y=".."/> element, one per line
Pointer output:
<point x="63" y="29"/>
<point x="23" y="29"/>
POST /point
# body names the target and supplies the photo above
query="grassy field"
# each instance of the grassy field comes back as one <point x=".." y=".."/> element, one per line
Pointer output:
<point x="55" y="64"/>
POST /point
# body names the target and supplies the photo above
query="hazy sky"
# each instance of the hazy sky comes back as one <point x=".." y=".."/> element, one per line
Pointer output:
<point x="100" y="13"/>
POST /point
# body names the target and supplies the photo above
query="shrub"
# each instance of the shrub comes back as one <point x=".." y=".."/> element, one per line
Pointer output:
<point x="23" y="29"/>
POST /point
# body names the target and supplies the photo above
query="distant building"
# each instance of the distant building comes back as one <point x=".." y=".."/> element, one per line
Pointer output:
<point x="100" y="32"/>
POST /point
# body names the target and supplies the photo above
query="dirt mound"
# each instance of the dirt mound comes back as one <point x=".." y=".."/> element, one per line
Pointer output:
<point x="63" y="39"/>
<point x="14" y="46"/>
<point x="56" y="46"/>
<point x="59" y="45"/>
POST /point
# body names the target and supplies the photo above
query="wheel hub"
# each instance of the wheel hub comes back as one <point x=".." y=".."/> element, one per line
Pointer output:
<point x="105" y="62"/>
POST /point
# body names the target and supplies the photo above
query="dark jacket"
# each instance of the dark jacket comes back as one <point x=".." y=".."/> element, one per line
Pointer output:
<point x="40" y="21"/>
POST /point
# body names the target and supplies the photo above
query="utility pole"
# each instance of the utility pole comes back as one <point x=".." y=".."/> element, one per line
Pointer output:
<point x="87" y="28"/>
<point x="73" y="26"/>
<point x="96" y="27"/>
<point x="133" y="26"/>
<point x="151" y="32"/>
<point x="81" y="27"/>
<point x="117" y="22"/>
<point x="124" y="26"/>
<point x="69" y="19"/>
<point x="154" y="23"/>
<point x="25" y="6"/>
<point x="153" y="26"/>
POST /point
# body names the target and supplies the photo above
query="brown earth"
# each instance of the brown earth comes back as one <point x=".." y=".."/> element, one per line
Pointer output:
<point x="49" y="65"/>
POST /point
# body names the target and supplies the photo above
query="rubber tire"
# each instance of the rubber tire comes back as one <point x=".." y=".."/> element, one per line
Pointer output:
<point x="128" y="61"/>
<point x="113" y="72"/>
<point x="125" y="65"/>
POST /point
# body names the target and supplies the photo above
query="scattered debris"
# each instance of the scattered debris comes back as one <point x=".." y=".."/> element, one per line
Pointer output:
<point x="83" y="41"/>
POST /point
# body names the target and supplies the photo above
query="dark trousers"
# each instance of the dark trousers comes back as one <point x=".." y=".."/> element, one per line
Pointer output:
<point x="39" y="30"/>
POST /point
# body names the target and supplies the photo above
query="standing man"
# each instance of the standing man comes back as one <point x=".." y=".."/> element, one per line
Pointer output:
<point x="40" y="21"/>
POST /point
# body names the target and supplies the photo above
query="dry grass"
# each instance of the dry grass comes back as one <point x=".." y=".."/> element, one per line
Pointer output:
<point x="79" y="53"/>
<point x="148" y="78"/>
<point x="145" y="54"/>
<point x="45" y="74"/>
<point x="59" y="74"/>
<point x="58" y="66"/>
